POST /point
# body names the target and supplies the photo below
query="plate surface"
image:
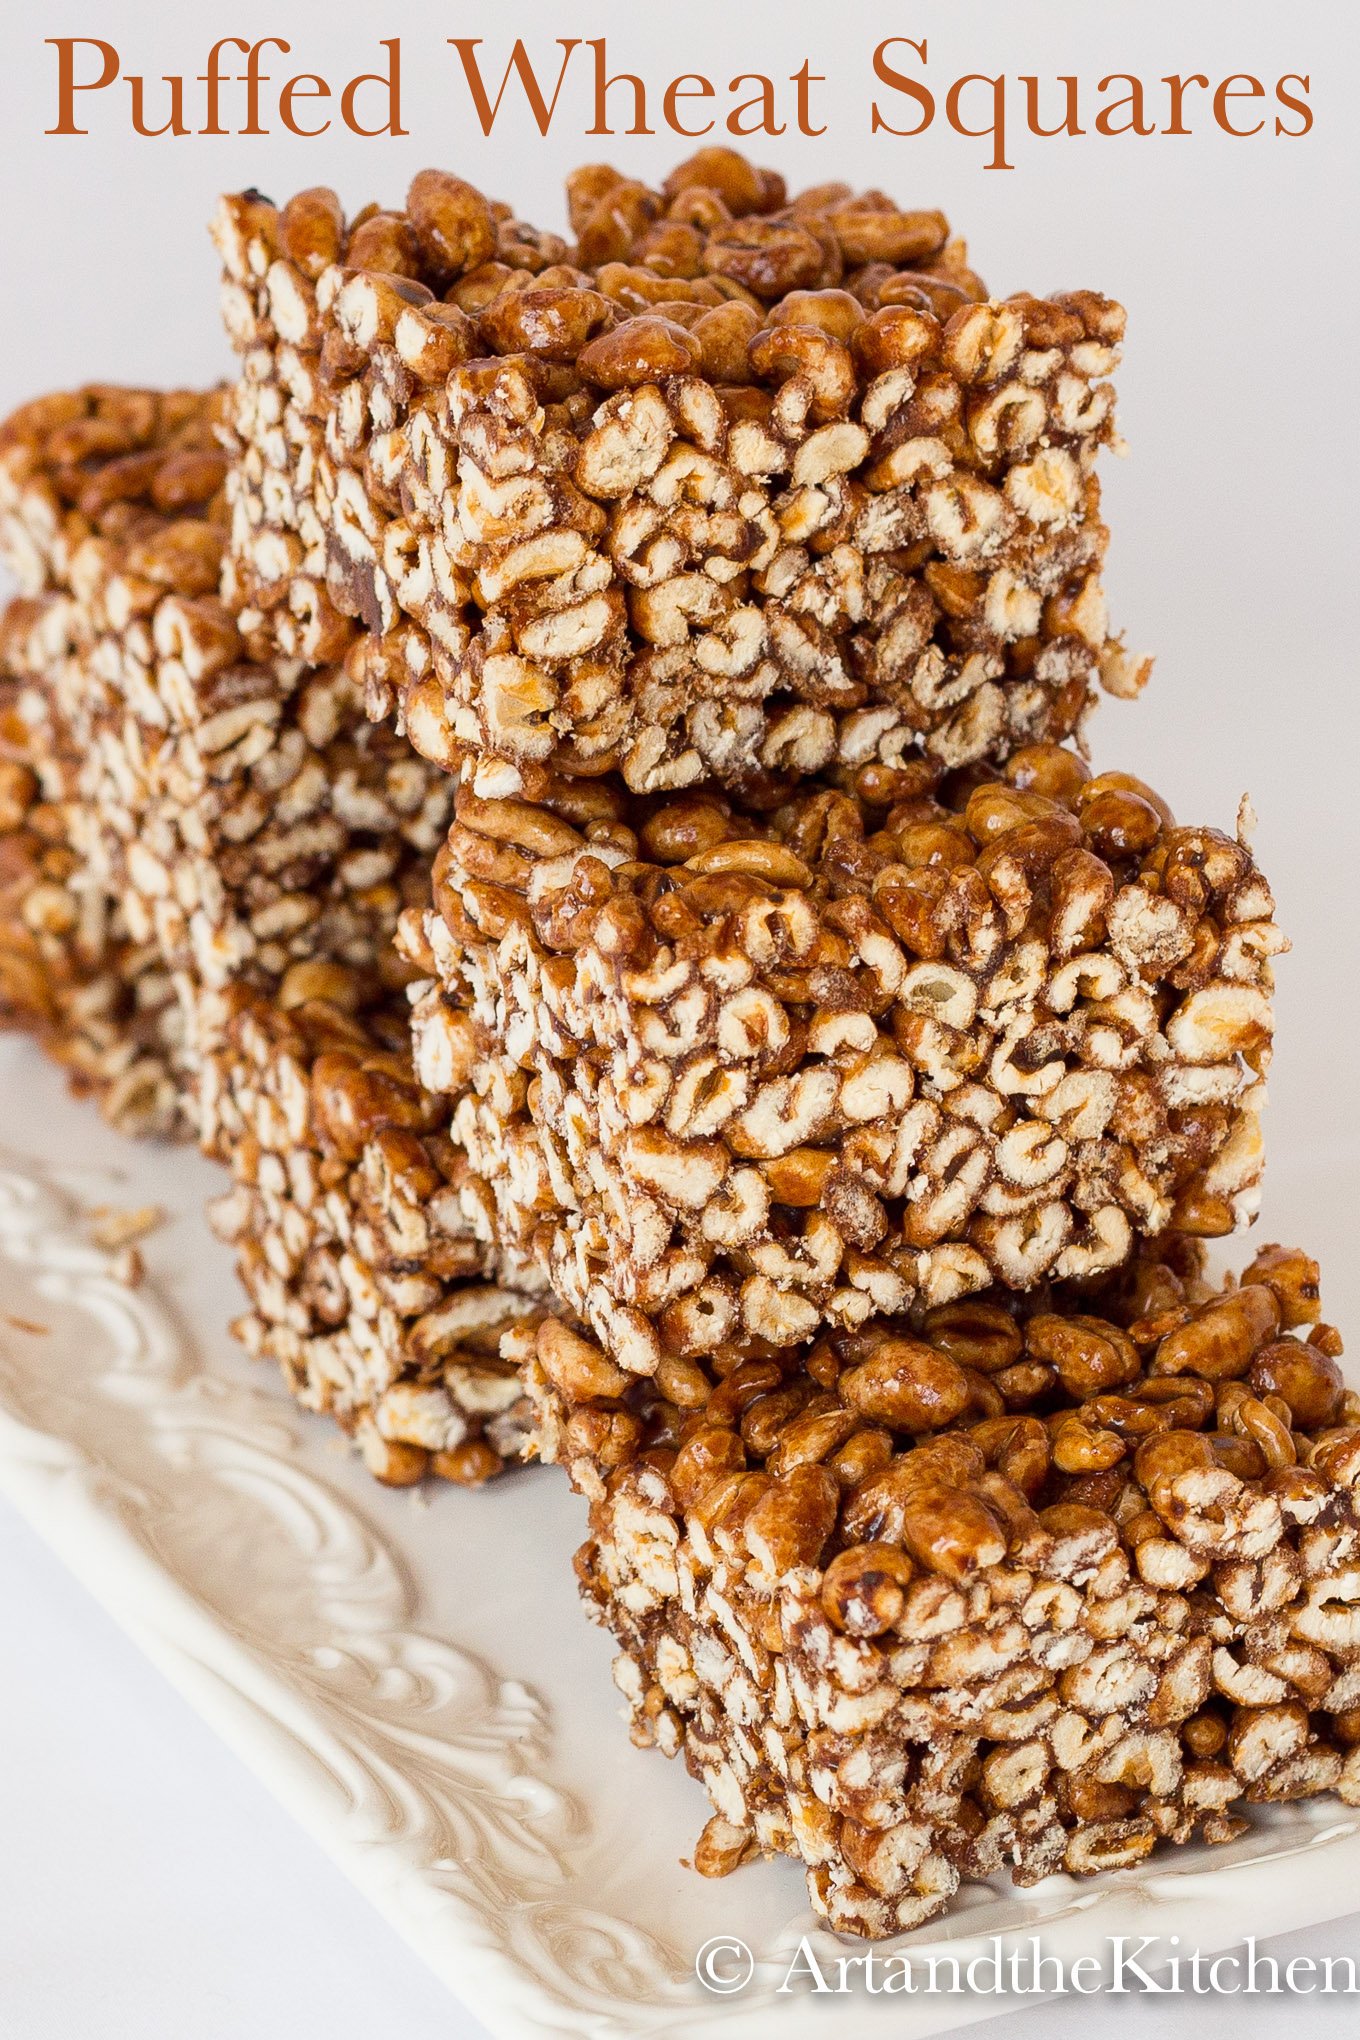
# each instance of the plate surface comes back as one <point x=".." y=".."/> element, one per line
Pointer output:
<point x="410" y="1673"/>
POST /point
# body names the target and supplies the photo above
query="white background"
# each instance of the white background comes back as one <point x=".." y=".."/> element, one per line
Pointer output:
<point x="147" y="1885"/>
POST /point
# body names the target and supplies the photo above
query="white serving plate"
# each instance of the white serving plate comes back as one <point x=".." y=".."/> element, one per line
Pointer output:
<point x="411" y="1674"/>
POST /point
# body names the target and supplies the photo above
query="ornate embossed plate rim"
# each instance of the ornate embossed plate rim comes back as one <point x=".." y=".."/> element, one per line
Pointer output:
<point x="417" y="1766"/>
